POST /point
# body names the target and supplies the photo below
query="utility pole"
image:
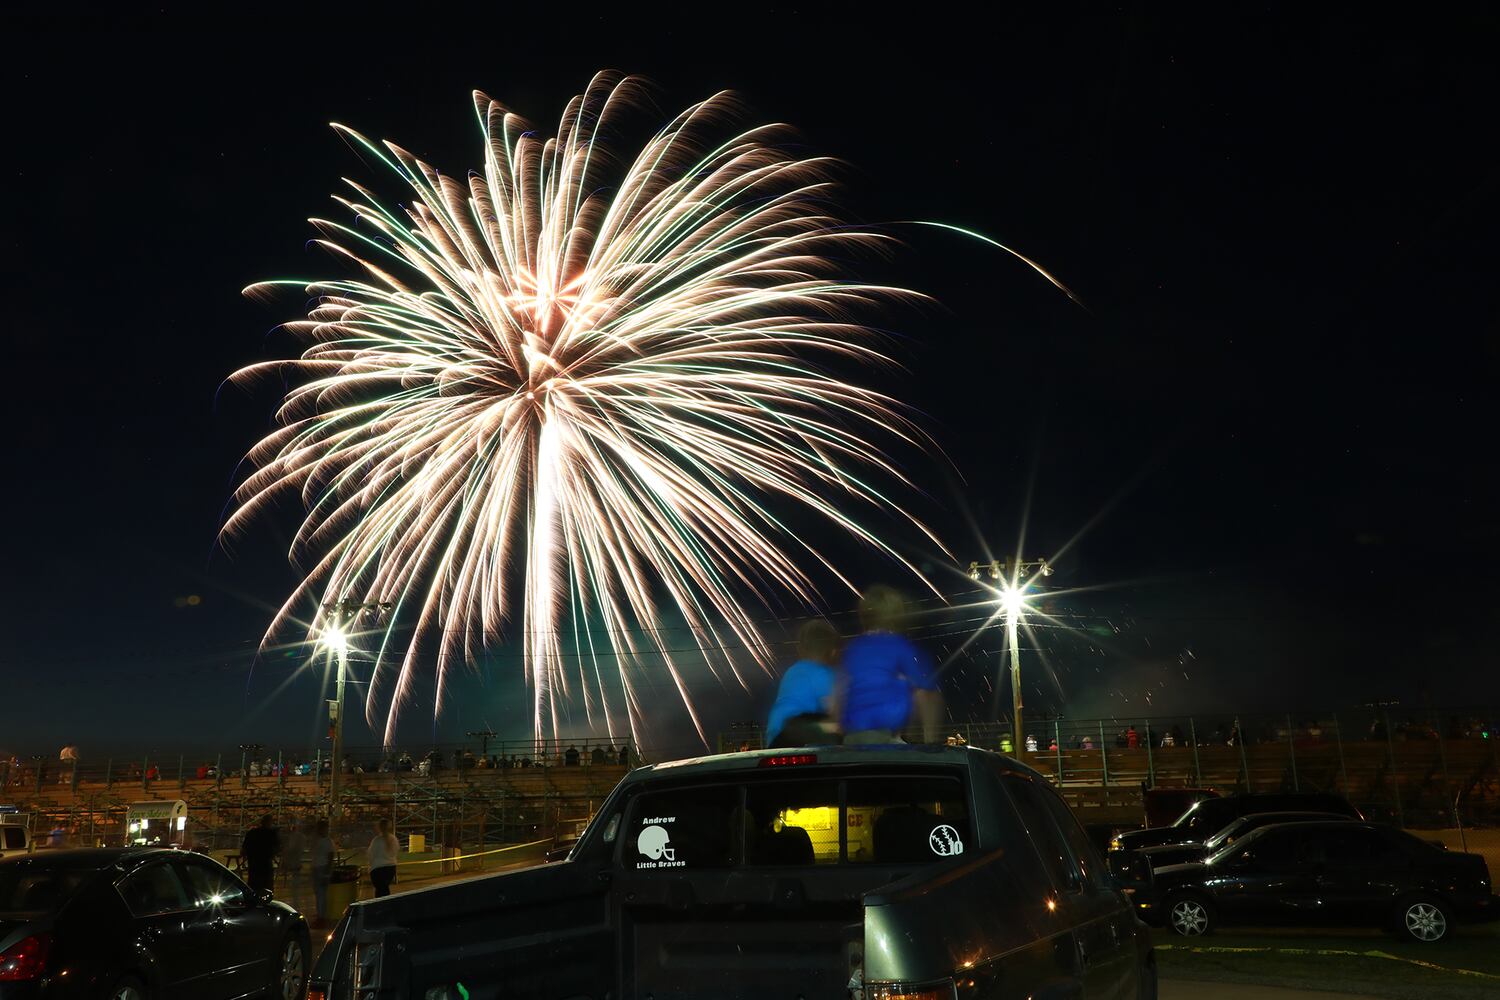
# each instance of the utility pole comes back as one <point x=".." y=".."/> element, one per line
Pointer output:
<point x="343" y="613"/>
<point x="483" y="736"/>
<point x="1009" y="574"/>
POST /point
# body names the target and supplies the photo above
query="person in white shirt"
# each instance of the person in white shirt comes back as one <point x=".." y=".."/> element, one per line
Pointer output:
<point x="383" y="851"/>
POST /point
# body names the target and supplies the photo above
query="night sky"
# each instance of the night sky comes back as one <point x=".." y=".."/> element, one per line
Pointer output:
<point x="1274" y="413"/>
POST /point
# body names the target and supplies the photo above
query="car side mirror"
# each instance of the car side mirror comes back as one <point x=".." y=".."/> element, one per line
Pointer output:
<point x="264" y="896"/>
<point x="1130" y="871"/>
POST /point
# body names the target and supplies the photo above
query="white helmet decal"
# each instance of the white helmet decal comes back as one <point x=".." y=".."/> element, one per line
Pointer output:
<point x="655" y="844"/>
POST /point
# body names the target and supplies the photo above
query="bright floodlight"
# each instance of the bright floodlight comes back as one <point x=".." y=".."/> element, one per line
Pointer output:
<point x="1013" y="600"/>
<point x="336" y="640"/>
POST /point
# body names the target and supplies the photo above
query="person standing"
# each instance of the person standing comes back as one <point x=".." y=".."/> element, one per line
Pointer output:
<point x="888" y="679"/>
<point x="383" y="851"/>
<point x="259" y="851"/>
<point x="806" y="709"/>
<point x="322" y="868"/>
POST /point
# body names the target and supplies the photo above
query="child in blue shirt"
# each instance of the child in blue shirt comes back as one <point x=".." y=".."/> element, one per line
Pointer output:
<point x="807" y="698"/>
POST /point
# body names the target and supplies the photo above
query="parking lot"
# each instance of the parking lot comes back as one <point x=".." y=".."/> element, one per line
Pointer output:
<point x="1329" y="962"/>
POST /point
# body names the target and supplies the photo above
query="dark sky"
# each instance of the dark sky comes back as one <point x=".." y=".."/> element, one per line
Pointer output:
<point x="1280" y="395"/>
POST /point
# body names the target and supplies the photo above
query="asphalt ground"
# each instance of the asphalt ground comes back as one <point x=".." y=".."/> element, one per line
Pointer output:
<point x="1326" y="962"/>
<point x="1188" y="989"/>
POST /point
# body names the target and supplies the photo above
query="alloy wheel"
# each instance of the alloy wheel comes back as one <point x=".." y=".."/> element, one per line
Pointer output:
<point x="1425" y="921"/>
<point x="126" y="992"/>
<point x="1189" y="917"/>
<point x="291" y="971"/>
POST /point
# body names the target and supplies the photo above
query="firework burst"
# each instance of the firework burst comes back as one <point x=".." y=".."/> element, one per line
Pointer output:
<point x="569" y="392"/>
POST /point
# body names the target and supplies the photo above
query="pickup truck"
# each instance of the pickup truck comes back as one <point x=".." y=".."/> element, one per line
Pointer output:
<point x="15" y="840"/>
<point x="869" y="872"/>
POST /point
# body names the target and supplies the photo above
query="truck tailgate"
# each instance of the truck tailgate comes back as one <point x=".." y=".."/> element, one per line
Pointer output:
<point x="744" y="954"/>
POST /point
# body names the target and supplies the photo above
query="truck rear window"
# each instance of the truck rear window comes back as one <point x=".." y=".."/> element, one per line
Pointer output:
<point x="783" y="822"/>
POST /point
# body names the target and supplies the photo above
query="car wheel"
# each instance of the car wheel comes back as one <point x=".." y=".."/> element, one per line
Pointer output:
<point x="1189" y="916"/>
<point x="291" y="970"/>
<point x="129" y="988"/>
<point x="1424" y="919"/>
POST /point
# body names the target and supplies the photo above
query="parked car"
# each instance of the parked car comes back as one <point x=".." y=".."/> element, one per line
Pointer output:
<point x="1204" y="818"/>
<point x="1177" y="854"/>
<point x="922" y="872"/>
<point x="132" y="923"/>
<point x="1337" y="872"/>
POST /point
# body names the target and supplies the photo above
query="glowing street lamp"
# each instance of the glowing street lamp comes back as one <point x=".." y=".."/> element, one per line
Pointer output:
<point x="1011" y="594"/>
<point x="335" y="639"/>
<point x="1013" y="600"/>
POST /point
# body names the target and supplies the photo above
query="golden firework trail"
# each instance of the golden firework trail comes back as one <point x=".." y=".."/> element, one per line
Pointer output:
<point x="569" y="392"/>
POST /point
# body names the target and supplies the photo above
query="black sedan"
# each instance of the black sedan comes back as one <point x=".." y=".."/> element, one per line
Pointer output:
<point x="133" y="923"/>
<point x="1337" y="872"/>
<point x="1206" y="817"/>
<point x="1181" y="854"/>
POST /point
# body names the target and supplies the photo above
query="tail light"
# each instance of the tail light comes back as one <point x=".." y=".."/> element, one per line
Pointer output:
<point x="316" y="993"/>
<point x="788" y="760"/>
<point x="24" y="960"/>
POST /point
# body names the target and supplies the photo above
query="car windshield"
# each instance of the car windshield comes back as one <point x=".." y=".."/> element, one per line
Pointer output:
<point x="27" y="886"/>
<point x="1210" y="814"/>
<point x="1234" y="847"/>
<point x="1227" y="835"/>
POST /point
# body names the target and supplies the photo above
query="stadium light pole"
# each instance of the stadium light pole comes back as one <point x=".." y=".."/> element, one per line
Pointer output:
<point x="1012" y="596"/>
<point x="335" y="638"/>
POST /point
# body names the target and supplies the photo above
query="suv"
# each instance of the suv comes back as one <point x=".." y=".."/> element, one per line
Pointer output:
<point x="1205" y="818"/>
<point x="831" y="872"/>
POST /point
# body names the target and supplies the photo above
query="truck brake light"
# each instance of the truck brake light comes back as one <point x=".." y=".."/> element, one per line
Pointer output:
<point x="789" y="759"/>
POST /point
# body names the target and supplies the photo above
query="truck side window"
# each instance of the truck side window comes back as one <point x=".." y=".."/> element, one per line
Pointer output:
<point x="682" y="829"/>
<point x="1031" y="804"/>
<point x="15" y="838"/>
<point x="1085" y="858"/>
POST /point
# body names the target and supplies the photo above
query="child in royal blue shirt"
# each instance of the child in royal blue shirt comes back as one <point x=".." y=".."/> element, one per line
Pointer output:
<point x="887" y="676"/>
<point x="806" y="705"/>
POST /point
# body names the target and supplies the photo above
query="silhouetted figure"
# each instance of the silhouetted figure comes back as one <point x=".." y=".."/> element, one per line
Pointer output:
<point x="259" y="851"/>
